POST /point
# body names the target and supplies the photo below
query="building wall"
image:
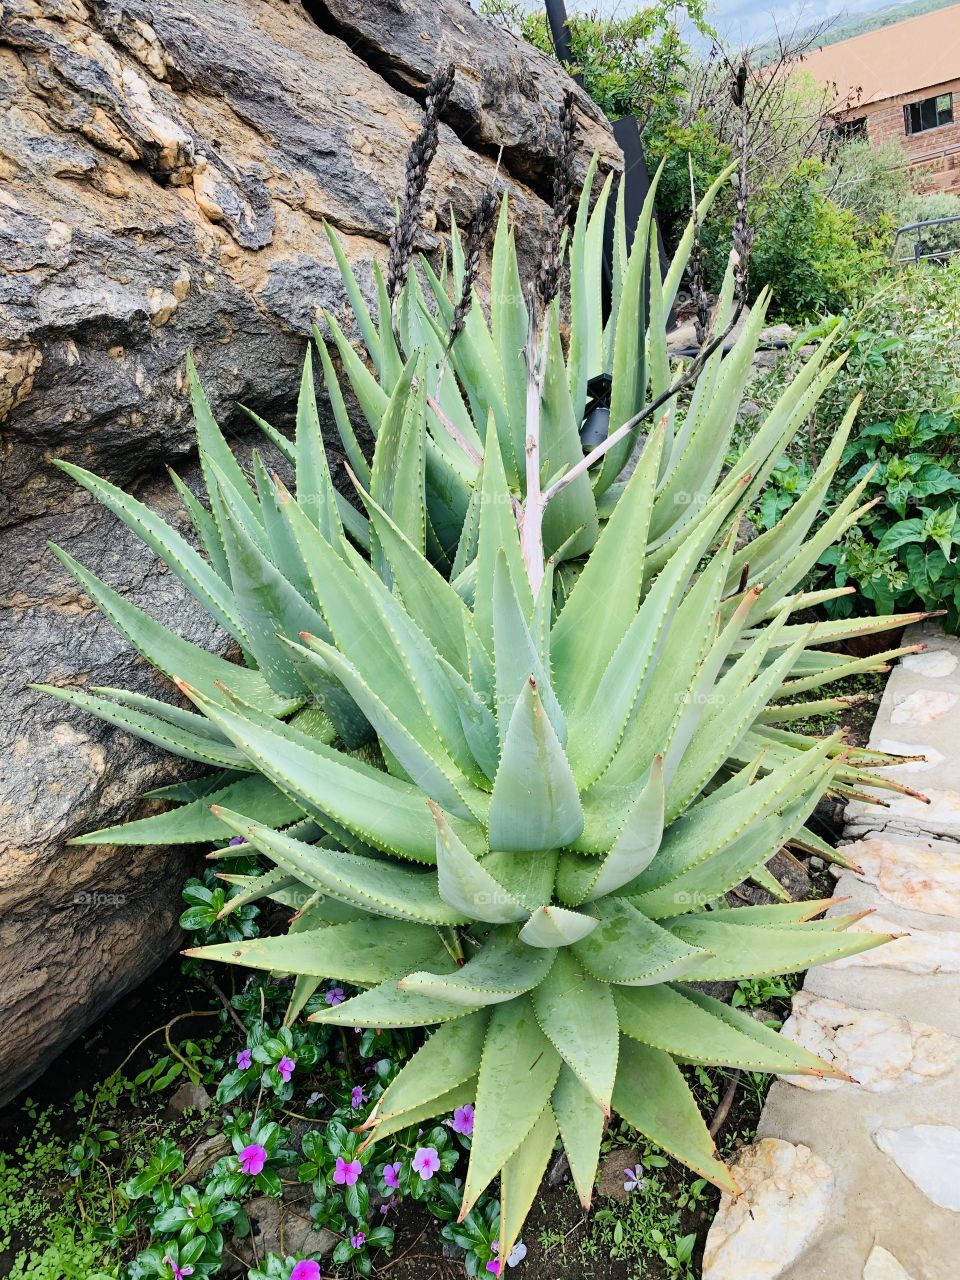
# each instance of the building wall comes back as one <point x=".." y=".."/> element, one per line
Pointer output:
<point x="933" y="154"/>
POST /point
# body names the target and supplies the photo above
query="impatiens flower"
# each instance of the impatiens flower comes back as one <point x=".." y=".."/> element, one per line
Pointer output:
<point x="357" y="1097"/>
<point x="178" y="1273"/>
<point x="335" y="996"/>
<point x="253" y="1158"/>
<point x="633" y="1179"/>
<point x="517" y="1254"/>
<point x="347" y="1171"/>
<point x="426" y="1162"/>
<point x="307" y="1270"/>
<point x="285" y="1066"/>
<point x="494" y="1267"/>
<point x="237" y="840"/>
<point x="391" y="1174"/>
<point x="357" y="1240"/>
<point x="244" y="1059"/>
<point x="463" y="1120"/>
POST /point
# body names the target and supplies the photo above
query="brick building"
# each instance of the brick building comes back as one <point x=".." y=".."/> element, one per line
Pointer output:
<point x="904" y="84"/>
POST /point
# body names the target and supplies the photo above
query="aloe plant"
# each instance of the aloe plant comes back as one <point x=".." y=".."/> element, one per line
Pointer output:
<point x="517" y="729"/>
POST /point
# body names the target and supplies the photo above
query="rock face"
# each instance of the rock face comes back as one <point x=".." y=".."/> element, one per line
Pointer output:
<point x="166" y="171"/>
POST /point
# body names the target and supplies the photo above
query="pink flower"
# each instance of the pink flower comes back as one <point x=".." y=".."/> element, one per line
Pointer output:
<point x="357" y="1240"/>
<point x="347" y="1172"/>
<point x="463" y="1120"/>
<point x="307" y="1270"/>
<point x="178" y="1273"/>
<point x="285" y="1066"/>
<point x="494" y="1267"/>
<point x="426" y="1162"/>
<point x="253" y="1158"/>
<point x="244" y="1059"/>
<point x="391" y="1174"/>
<point x="357" y="1097"/>
<point x="335" y="996"/>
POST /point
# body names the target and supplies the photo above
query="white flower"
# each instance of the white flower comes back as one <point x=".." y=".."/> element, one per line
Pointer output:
<point x="517" y="1254"/>
<point x="634" y="1179"/>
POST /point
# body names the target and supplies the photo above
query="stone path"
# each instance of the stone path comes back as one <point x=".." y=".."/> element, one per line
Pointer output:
<point x="862" y="1181"/>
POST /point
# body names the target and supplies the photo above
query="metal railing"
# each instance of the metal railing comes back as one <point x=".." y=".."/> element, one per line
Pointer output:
<point x="918" y="254"/>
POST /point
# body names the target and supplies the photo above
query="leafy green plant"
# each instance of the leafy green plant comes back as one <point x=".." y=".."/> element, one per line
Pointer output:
<point x="905" y="551"/>
<point x="205" y="914"/>
<point x="508" y="737"/>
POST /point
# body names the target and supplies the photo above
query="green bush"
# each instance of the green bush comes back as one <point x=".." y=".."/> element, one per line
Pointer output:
<point x="903" y="358"/>
<point x="944" y="239"/>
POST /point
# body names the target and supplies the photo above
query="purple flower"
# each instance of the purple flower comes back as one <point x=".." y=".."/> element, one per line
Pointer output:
<point x="426" y="1162"/>
<point x="244" y="1059"/>
<point x="238" y="840"/>
<point x="335" y="996"/>
<point x="494" y="1266"/>
<point x="253" y="1158"/>
<point x="178" y="1273"/>
<point x="308" y="1270"/>
<point x="347" y="1171"/>
<point x="633" y="1179"/>
<point x="463" y="1120"/>
<point x="285" y="1066"/>
<point x="357" y="1240"/>
<point x="357" y="1097"/>
<point x="391" y="1174"/>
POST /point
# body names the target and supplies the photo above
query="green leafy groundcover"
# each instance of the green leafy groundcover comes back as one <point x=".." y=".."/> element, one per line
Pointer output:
<point x="508" y="736"/>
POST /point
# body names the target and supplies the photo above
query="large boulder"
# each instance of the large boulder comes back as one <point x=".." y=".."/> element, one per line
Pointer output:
<point x="167" y="168"/>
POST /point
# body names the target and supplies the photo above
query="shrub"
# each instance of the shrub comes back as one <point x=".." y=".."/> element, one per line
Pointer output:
<point x="944" y="239"/>
<point x="512" y="734"/>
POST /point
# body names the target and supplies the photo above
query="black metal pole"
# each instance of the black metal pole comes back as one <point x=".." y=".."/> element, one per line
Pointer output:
<point x="560" y="33"/>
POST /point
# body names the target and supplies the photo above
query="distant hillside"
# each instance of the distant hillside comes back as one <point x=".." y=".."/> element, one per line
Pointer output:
<point x="846" y="25"/>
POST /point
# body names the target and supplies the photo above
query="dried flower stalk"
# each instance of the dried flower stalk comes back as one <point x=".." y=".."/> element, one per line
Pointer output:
<point x="419" y="158"/>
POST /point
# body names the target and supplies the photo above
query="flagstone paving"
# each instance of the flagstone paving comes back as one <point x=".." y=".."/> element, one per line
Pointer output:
<point x="861" y="1181"/>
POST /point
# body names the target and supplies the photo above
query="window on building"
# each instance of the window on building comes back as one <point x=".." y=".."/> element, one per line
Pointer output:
<point x="928" y="114"/>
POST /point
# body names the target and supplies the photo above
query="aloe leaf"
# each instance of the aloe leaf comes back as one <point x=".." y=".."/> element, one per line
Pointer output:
<point x="213" y="448"/>
<point x="551" y="926"/>
<point x="173" y="738"/>
<point x="581" y="1123"/>
<point x="430" y="768"/>
<point x="535" y="803"/>
<point x="387" y="1006"/>
<point x="521" y="1176"/>
<point x="379" y="809"/>
<point x="584" y="637"/>
<point x="508" y="322"/>
<point x="268" y="603"/>
<point x="443" y="1105"/>
<point x="686" y="1028"/>
<point x="426" y="594"/>
<point x="584" y="879"/>
<point x="741" y="952"/>
<point x="628" y="370"/>
<point x="197" y="576"/>
<point x="397" y="474"/>
<point x="652" y="1096"/>
<point x="628" y="948"/>
<point x="497" y="531"/>
<point x="348" y="437"/>
<point x="466" y="884"/>
<point x="517" y="655"/>
<point x="254" y="796"/>
<point x="381" y="887"/>
<point x="371" y="397"/>
<point x="578" y="1016"/>
<point x="315" y="491"/>
<point x="363" y="951"/>
<point x="515" y="1050"/>
<point x="448" y="1058"/>
<point x="503" y="969"/>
